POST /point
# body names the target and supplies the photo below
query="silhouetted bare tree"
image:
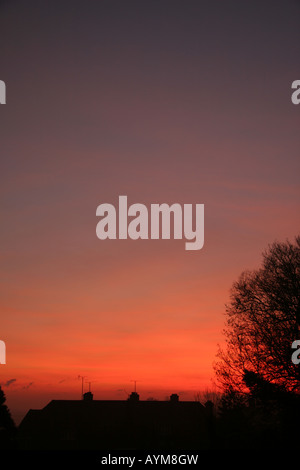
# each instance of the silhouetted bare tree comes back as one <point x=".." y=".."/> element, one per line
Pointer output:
<point x="262" y="321"/>
<point x="209" y="395"/>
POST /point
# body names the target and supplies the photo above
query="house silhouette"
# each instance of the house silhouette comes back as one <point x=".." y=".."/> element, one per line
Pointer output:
<point x="90" y="424"/>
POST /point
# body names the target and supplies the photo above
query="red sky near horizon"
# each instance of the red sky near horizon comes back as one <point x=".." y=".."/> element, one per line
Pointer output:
<point x="163" y="102"/>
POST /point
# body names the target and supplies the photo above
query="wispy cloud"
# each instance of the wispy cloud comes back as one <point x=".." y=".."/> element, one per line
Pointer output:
<point x="9" y="382"/>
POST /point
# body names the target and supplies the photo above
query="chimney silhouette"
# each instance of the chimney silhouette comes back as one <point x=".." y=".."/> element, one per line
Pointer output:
<point x="134" y="397"/>
<point x="174" y="398"/>
<point x="88" y="396"/>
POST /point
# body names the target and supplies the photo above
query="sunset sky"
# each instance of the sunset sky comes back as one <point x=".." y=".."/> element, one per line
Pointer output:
<point x="165" y="102"/>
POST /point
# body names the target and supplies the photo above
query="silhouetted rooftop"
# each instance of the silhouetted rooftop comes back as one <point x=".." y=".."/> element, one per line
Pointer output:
<point x="113" y="424"/>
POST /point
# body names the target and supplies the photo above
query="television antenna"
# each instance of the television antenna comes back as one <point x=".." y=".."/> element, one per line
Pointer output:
<point x="93" y="381"/>
<point x="135" y="381"/>
<point x="82" y="377"/>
